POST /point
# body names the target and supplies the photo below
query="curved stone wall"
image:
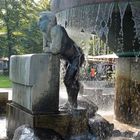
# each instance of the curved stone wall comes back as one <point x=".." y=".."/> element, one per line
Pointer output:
<point x="117" y="23"/>
<point x="59" y="5"/>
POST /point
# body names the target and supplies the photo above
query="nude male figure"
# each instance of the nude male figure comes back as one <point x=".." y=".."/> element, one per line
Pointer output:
<point x="57" y="41"/>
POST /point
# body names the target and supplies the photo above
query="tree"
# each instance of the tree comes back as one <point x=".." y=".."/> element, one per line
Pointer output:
<point x="19" y="33"/>
<point x="19" y="22"/>
<point x="44" y="5"/>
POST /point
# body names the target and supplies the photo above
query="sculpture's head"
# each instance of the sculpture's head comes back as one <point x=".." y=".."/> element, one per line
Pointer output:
<point x="46" y="21"/>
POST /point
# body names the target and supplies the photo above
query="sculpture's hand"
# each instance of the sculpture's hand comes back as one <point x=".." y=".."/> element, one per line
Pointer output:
<point x="56" y="36"/>
<point x="46" y="49"/>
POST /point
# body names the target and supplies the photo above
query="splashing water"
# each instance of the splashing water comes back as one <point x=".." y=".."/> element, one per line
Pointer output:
<point x="2" y="127"/>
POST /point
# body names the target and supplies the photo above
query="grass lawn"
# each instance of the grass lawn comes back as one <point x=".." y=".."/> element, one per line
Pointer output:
<point x="5" y="82"/>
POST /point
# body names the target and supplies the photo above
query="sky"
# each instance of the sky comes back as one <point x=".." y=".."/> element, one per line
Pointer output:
<point x="38" y="0"/>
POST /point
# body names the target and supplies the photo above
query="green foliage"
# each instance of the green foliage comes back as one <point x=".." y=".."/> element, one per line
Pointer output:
<point x="19" y="33"/>
<point x="97" y="47"/>
<point x="5" y="82"/>
<point x="91" y="44"/>
<point x="90" y="52"/>
<point x="44" y="4"/>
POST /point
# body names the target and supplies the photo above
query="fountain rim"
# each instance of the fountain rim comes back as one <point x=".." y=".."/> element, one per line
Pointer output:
<point x="67" y="4"/>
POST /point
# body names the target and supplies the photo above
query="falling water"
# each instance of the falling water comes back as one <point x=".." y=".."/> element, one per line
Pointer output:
<point x="2" y="128"/>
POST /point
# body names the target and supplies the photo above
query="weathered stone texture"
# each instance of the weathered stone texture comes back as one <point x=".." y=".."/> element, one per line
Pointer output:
<point x="89" y="16"/>
<point x="34" y="77"/>
<point x="100" y="127"/>
<point x="64" y="123"/>
<point x="119" y="22"/>
<point x="59" y="5"/>
<point x="78" y="123"/>
<point x="15" y="118"/>
<point x="127" y="97"/>
<point x="3" y="101"/>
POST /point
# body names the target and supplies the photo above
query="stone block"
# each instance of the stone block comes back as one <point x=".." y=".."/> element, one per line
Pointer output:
<point x="35" y="80"/>
<point x="3" y="101"/>
<point x="17" y="117"/>
<point x="57" y="122"/>
<point x="78" y="124"/>
<point x="127" y="99"/>
<point x="26" y="132"/>
<point x="100" y="127"/>
<point x="64" y="123"/>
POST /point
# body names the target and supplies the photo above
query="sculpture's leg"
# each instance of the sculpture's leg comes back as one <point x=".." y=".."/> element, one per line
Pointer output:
<point x="72" y="91"/>
<point x="72" y="84"/>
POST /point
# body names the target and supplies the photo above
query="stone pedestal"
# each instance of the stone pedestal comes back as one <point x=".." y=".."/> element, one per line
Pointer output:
<point x="127" y="99"/>
<point x="63" y="123"/>
<point x="35" y="80"/>
<point x="18" y="116"/>
<point x="35" y="98"/>
<point x="78" y="123"/>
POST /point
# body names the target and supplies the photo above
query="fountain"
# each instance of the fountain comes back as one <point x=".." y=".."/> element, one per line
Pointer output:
<point x="35" y="99"/>
<point x="117" y="24"/>
<point x="35" y="79"/>
<point x="121" y="34"/>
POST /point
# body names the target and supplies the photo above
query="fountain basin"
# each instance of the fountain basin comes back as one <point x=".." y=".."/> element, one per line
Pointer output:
<point x="64" y="123"/>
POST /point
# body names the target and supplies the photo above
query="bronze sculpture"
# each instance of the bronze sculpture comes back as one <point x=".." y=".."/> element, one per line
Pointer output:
<point x="57" y="41"/>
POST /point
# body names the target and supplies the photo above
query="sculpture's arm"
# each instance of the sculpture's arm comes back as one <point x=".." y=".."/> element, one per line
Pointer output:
<point x="56" y="36"/>
<point x="46" y="42"/>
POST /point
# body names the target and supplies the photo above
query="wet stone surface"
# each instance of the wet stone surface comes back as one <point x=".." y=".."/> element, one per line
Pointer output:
<point x="25" y="132"/>
<point x="88" y="105"/>
<point x="46" y="134"/>
<point x="100" y="127"/>
<point x="136" y="135"/>
<point x="117" y="133"/>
